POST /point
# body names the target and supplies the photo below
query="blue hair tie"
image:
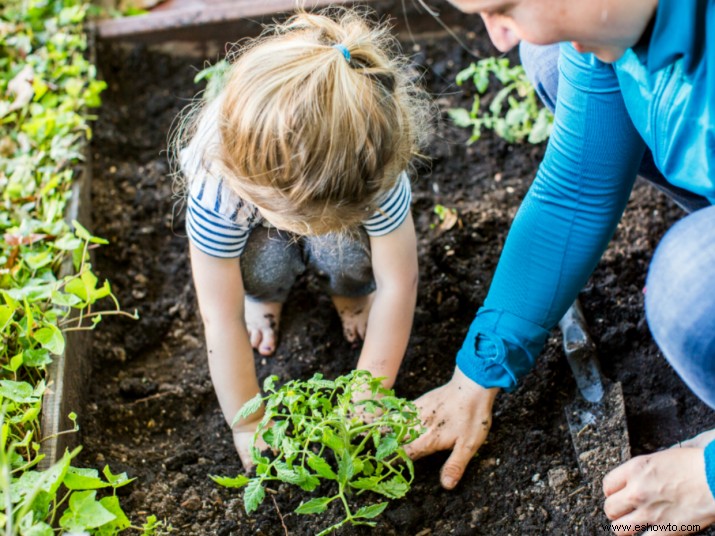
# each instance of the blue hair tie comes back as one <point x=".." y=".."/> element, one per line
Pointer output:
<point x="344" y="51"/>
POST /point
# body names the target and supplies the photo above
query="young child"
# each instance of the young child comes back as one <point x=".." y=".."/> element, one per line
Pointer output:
<point x="299" y="162"/>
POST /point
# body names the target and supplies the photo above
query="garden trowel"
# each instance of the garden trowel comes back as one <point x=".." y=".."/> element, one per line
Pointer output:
<point x="596" y="417"/>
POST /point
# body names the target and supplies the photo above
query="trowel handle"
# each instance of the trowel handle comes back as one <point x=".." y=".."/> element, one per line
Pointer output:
<point x="581" y="353"/>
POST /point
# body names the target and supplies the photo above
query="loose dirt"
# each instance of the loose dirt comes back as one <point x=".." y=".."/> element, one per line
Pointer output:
<point x="151" y="408"/>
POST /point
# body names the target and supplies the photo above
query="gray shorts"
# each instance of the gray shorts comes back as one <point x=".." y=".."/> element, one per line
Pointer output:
<point x="273" y="260"/>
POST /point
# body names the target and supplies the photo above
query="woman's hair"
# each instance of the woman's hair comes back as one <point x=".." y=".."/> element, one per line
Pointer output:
<point x="312" y="134"/>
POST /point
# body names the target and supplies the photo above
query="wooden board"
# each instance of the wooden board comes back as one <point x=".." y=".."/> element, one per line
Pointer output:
<point x="195" y="19"/>
<point x="67" y="375"/>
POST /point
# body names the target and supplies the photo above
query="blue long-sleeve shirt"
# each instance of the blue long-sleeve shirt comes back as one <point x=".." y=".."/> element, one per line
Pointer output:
<point x="660" y="95"/>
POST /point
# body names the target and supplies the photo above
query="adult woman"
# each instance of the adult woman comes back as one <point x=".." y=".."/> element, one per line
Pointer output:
<point x="636" y="81"/>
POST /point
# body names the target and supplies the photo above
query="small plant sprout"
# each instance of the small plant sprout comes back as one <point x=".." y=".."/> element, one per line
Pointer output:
<point x="523" y="117"/>
<point x="338" y="438"/>
<point x="448" y="218"/>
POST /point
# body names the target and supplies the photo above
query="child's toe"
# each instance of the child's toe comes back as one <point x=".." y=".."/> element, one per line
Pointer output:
<point x="255" y="336"/>
<point x="268" y="342"/>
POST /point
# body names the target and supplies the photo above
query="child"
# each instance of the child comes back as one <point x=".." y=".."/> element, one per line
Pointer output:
<point x="299" y="162"/>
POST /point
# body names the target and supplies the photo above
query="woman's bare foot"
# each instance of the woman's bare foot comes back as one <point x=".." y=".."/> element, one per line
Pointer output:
<point x="262" y="321"/>
<point x="353" y="314"/>
<point x="668" y="488"/>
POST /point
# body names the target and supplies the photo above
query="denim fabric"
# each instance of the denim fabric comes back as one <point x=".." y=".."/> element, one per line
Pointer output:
<point x="273" y="260"/>
<point x="541" y="66"/>
<point x="680" y="300"/>
<point x="680" y="296"/>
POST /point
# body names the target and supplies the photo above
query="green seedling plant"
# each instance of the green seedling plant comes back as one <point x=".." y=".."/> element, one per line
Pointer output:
<point x="513" y="114"/>
<point x="215" y="76"/>
<point x="340" y="438"/>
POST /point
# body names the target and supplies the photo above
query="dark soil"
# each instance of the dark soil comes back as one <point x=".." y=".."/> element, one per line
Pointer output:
<point x="151" y="408"/>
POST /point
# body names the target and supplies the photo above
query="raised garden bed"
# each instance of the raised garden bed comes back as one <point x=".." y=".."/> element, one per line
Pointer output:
<point x="156" y="415"/>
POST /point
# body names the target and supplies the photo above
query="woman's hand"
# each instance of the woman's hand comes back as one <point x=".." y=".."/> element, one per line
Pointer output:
<point x="458" y="416"/>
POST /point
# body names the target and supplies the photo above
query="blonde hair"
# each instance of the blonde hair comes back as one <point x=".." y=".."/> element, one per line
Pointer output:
<point x="310" y="137"/>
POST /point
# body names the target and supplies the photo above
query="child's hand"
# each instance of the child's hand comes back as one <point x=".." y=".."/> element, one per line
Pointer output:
<point x="243" y="440"/>
<point x="243" y="435"/>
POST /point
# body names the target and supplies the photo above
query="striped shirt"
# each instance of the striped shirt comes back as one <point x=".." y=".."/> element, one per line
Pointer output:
<point x="218" y="221"/>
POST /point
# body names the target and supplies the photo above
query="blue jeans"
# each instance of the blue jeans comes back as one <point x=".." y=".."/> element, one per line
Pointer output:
<point x="680" y="286"/>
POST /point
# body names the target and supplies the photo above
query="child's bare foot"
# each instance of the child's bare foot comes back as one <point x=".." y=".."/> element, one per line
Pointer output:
<point x="353" y="314"/>
<point x="262" y="320"/>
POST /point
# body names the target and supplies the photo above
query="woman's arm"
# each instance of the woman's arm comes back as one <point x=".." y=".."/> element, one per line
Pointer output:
<point x="220" y="292"/>
<point x="394" y="265"/>
<point x="562" y="227"/>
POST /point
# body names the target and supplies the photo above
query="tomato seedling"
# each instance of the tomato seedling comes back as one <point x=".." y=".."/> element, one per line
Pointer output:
<point x="341" y="437"/>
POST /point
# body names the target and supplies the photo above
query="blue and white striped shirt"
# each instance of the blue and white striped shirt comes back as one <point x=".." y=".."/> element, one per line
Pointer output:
<point x="218" y="221"/>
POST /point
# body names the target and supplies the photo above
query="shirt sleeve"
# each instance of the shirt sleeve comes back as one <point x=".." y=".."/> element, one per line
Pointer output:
<point x="562" y="227"/>
<point x="212" y="219"/>
<point x="710" y="466"/>
<point x="393" y="209"/>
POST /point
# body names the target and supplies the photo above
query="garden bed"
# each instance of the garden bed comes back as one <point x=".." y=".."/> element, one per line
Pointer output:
<point x="152" y="409"/>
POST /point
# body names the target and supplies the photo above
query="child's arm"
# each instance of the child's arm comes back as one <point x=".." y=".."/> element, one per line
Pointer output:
<point x="220" y="291"/>
<point x="394" y="265"/>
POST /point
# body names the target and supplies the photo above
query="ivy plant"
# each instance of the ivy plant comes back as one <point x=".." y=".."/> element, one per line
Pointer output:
<point x="47" y="88"/>
<point x="513" y="114"/>
<point x="338" y="438"/>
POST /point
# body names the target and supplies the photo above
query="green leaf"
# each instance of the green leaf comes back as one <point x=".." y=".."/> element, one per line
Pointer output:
<point x="365" y="483"/>
<point x="387" y="446"/>
<point x="50" y="337"/>
<point x="321" y="467"/>
<point x="287" y="474"/>
<point x="332" y="441"/>
<point x="308" y="482"/>
<point x="253" y="496"/>
<point x="21" y="392"/>
<point x="67" y="242"/>
<point x="38" y="259"/>
<point x="117" y="481"/>
<point x="269" y="384"/>
<point x="314" y="506"/>
<point x="85" y="512"/>
<point x="228" y="482"/>
<point x="38" y="357"/>
<point x="372" y="511"/>
<point x="83" y="479"/>
<point x="120" y="522"/>
<point x="15" y="363"/>
<point x="250" y="407"/>
<point x="84" y="234"/>
<point x="6" y="314"/>
<point x="395" y="488"/>
<point x="460" y="117"/>
<point x="345" y="468"/>
<point x="65" y="300"/>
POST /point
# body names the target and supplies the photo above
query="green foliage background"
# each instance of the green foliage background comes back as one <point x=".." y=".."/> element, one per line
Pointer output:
<point x="47" y="86"/>
<point x="513" y="114"/>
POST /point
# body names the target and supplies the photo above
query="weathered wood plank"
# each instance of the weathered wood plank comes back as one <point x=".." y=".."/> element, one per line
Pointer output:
<point x="195" y="19"/>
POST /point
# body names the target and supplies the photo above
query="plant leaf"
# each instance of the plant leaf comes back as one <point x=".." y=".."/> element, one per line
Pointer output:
<point x="253" y="496"/>
<point x="248" y="408"/>
<point x="387" y="446"/>
<point x="50" y="337"/>
<point x="345" y="468"/>
<point x="85" y="512"/>
<point x="314" y="506"/>
<point x="228" y="482"/>
<point x="321" y="467"/>
<point x="372" y="511"/>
